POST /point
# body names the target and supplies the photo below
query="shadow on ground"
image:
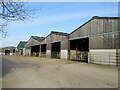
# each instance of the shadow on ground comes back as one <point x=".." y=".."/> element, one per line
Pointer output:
<point x="9" y="66"/>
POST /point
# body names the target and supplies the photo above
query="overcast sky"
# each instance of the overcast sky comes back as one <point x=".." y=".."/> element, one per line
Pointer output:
<point x="61" y="16"/>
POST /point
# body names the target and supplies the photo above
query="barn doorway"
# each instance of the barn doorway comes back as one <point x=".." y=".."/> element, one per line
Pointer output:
<point x="14" y="51"/>
<point x="35" y="50"/>
<point x="79" y="49"/>
<point x="43" y="50"/>
<point x="55" y="50"/>
<point x="7" y="52"/>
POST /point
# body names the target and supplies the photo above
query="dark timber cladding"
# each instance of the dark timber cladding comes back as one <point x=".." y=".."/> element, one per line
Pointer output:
<point x="103" y="32"/>
<point x="97" y="33"/>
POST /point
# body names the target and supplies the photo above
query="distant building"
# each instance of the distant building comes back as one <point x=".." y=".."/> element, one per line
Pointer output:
<point x="8" y="50"/>
<point x="55" y="45"/>
<point x="21" y="48"/>
<point x="32" y="47"/>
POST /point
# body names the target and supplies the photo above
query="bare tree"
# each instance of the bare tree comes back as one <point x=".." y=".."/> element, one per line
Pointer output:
<point x="3" y="31"/>
<point x="12" y="10"/>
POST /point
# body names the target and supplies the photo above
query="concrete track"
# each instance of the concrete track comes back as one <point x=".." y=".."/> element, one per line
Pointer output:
<point x="36" y="72"/>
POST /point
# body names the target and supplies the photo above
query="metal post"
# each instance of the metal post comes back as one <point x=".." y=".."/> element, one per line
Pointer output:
<point x="51" y="50"/>
<point x="117" y="57"/>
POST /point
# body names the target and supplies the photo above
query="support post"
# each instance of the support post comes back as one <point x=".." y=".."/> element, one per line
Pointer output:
<point x="40" y="51"/>
<point x="76" y="50"/>
<point x="117" y="57"/>
<point x="68" y="49"/>
<point x="51" y="50"/>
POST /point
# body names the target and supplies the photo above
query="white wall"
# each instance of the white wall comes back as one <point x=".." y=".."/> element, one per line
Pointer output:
<point x="103" y="56"/>
<point x="64" y="54"/>
<point x="11" y="53"/>
<point x="24" y="52"/>
<point x="48" y="54"/>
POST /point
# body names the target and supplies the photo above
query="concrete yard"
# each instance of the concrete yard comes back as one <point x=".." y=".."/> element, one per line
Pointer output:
<point x="36" y="72"/>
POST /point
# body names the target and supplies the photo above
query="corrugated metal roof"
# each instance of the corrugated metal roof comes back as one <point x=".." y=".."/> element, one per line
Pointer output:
<point x="37" y="38"/>
<point x="9" y="47"/>
<point x="59" y="33"/>
<point x="21" y="45"/>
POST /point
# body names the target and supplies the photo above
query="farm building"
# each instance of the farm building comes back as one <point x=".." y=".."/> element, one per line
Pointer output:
<point x="55" y="45"/>
<point x="96" y="41"/>
<point x="32" y="47"/>
<point x="21" y="48"/>
<point x="8" y="50"/>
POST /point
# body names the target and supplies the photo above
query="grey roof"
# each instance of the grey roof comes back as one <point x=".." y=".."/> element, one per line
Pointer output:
<point x="38" y="38"/>
<point x="9" y="47"/>
<point x="59" y="33"/>
<point x="21" y="45"/>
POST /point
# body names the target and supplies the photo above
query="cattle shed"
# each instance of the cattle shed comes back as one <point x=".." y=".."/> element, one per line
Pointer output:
<point x="21" y="48"/>
<point x="55" y="45"/>
<point x="96" y="41"/>
<point x="32" y="47"/>
<point x="8" y="50"/>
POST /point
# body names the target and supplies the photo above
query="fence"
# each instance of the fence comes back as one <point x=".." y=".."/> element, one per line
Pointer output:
<point x="104" y="57"/>
<point x="79" y="55"/>
<point x="55" y="55"/>
<point x="43" y="54"/>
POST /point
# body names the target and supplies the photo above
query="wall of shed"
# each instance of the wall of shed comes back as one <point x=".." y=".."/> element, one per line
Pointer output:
<point x="57" y="38"/>
<point x="48" y="54"/>
<point x="8" y="48"/>
<point x="27" y="52"/>
<point x="99" y="31"/>
<point x="104" y="56"/>
<point x="64" y="54"/>
<point x="109" y="41"/>
<point x="104" y="39"/>
<point x="64" y="49"/>
<point x="31" y="42"/>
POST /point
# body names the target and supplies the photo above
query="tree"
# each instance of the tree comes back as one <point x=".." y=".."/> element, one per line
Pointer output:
<point x="3" y="32"/>
<point x="12" y="10"/>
